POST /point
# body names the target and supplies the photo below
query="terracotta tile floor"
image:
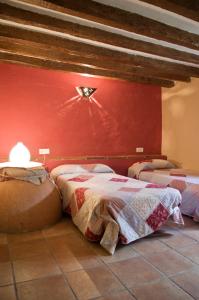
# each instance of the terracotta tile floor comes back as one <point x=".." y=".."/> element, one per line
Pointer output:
<point x="59" y="264"/>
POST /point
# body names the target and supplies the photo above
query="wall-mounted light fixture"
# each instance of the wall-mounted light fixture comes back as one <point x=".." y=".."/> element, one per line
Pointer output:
<point x="85" y="91"/>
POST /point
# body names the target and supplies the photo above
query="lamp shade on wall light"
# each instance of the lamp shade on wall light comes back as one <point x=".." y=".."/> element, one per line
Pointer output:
<point x="19" y="154"/>
<point x="85" y="91"/>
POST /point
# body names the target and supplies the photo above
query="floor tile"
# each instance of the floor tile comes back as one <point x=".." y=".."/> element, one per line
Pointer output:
<point x="60" y="248"/>
<point x="164" y="233"/>
<point x="169" y="262"/>
<point x="24" y="237"/>
<point x="146" y="246"/>
<point x="3" y="239"/>
<point x="155" y="236"/>
<point x="122" y="252"/>
<point x="99" y="250"/>
<point x="134" y="270"/>
<point x="168" y="233"/>
<point x="28" y="249"/>
<point x="92" y="283"/>
<point x="193" y="233"/>
<point x="191" y="252"/>
<point x="60" y="243"/>
<point x="4" y="253"/>
<point x="51" y="288"/>
<point x="173" y="225"/>
<point x="170" y="229"/>
<point x="188" y="222"/>
<point x="191" y="228"/>
<point x="67" y="241"/>
<point x="35" y="267"/>
<point x="179" y="241"/>
<point x="68" y="262"/>
<point x="189" y="281"/>
<point x="72" y="253"/>
<point x="163" y="289"/>
<point x="7" y="293"/>
<point x="124" y="295"/>
<point x="39" y="257"/>
<point x="6" y="276"/>
<point x="63" y="227"/>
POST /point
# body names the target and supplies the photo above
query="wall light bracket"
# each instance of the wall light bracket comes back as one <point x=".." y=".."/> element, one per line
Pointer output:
<point x="85" y="91"/>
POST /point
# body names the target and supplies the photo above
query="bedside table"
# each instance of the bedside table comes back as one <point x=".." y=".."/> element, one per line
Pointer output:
<point x="29" y="200"/>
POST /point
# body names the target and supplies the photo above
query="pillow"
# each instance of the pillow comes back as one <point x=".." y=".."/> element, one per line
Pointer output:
<point x="162" y="164"/>
<point x="98" y="168"/>
<point x="84" y="168"/>
<point x="136" y="168"/>
<point x="66" y="169"/>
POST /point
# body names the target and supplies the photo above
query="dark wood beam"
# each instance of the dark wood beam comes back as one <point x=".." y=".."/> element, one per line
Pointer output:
<point x="43" y="51"/>
<point x="55" y="65"/>
<point x="186" y="8"/>
<point x="111" y="16"/>
<point x="99" y="53"/>
<point x="25" y="17"/>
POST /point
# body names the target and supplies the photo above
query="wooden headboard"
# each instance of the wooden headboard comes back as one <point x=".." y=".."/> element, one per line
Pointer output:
<point x="119" y="164"/>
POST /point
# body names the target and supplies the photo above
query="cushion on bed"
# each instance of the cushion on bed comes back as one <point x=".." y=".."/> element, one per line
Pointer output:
<point x="136" y="168"/>
<point x="162" y="164"/>
<point x="84" y="168"/>
<point x="100" y="168"/>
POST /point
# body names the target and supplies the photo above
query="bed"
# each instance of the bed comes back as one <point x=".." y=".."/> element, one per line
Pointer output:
<point x="163" y="172"/>
<point x="111" y="208"/>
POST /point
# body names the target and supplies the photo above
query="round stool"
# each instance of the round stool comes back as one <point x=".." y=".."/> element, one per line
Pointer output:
<point x="25" y="206"/>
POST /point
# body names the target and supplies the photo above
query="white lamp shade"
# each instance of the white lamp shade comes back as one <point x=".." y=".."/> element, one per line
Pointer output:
<point x="19" y="154"/>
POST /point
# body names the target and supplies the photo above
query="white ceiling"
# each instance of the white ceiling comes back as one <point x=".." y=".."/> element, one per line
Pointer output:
<point x="155" y="13"/>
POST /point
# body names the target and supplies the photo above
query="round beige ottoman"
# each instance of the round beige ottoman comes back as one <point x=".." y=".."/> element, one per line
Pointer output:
<point x="25" y="206"/>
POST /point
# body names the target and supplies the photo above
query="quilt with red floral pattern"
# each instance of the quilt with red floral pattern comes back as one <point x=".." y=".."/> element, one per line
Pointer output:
<point x="111" y="208"/>
<point x="186" y="181"/>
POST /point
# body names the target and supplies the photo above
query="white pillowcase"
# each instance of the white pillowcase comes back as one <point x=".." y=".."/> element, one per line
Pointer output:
<point x="84" y="168"/>
<point x="101" y="168"/>
<point x="162" y="164"/>
<point x="136" y="168"/>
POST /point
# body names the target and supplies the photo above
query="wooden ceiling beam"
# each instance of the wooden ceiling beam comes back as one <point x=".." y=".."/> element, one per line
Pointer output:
<point x="39" y="50"/>
<point x="90" y="51"/>
<point x="188" y="9"/>
<point x="55" y="65"/>
<point x="121" y="19"/>
<point x="25" y="17"/>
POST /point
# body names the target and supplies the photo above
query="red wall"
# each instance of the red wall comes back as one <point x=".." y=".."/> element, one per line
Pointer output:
<point x="35" y="108"/>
